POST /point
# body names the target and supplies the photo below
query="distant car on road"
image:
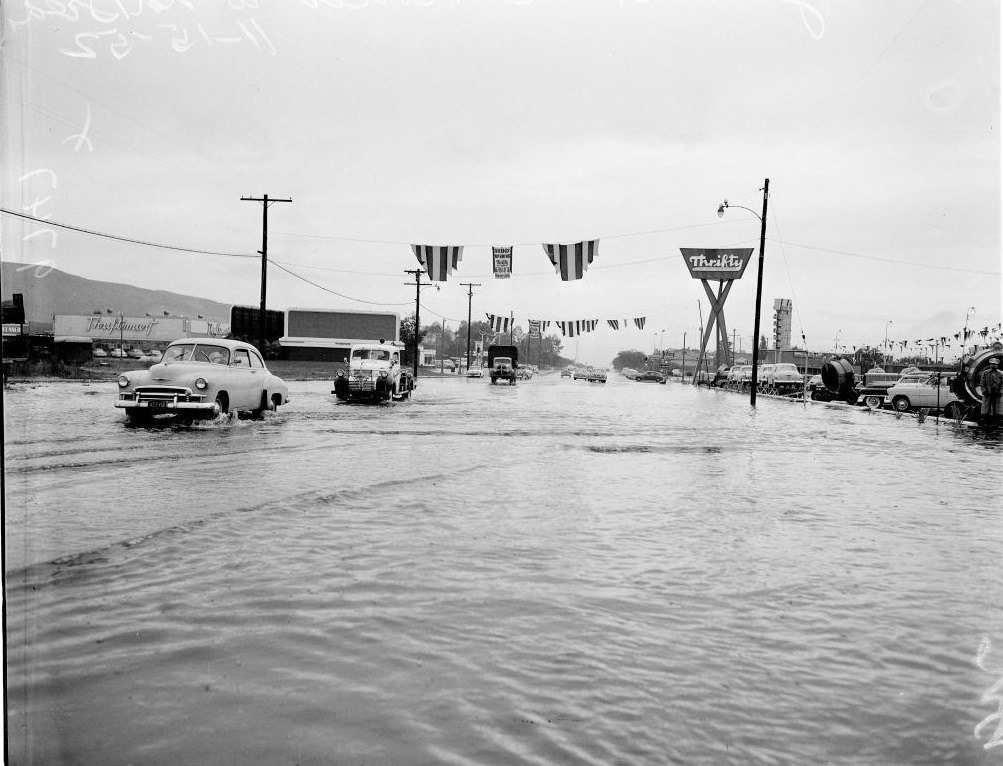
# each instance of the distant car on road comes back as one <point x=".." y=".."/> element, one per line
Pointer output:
<point x="650" y="375"/>
<point x="99" y="352"/>
<point x="200" y="378"/>
<point x="135" y="353"/>
<point x="117" y="353"/>
<point x="475" y="372"/>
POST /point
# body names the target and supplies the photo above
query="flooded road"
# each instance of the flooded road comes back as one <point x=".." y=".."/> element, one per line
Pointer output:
<point x="552" y="573"/>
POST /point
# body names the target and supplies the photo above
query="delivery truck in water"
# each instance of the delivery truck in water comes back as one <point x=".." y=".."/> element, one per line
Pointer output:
<point x="503" y="361"/>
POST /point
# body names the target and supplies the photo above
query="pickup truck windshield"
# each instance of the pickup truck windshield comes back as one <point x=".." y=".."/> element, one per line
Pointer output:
<point x="371" y="353"/>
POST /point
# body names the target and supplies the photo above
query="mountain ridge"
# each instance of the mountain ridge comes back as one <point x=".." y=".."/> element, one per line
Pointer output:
<point x="48" y="291"/>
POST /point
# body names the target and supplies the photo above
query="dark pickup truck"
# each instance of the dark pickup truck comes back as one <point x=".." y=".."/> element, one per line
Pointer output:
<point x="503" y="361"/>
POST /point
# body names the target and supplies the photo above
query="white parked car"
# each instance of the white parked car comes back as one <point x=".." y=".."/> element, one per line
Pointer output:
<point x="200" y="378"/>
<point x="475" y="372"/>
<point x="784" y="377"/>
<point x="914" y="392"/>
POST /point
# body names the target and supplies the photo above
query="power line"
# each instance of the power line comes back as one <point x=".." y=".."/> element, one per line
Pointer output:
<point x="333" y="292"/>
<point x="50" y="222"/>
<point x="891" y="260"/>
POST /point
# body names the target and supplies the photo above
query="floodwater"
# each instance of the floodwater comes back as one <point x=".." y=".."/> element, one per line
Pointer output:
<point x="552" y="573"/>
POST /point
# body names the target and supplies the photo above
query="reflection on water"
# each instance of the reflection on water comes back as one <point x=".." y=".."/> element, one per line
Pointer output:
<point x="554" y="572"/>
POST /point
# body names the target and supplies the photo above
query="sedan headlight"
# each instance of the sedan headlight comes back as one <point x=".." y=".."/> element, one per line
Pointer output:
<point x="123" y="381"/>
<point x="200" y="384"/>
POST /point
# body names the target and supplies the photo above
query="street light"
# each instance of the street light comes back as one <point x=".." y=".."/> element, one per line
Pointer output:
<point x="759" y="282"/>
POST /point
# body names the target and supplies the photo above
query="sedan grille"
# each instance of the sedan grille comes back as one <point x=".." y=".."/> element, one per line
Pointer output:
<point x="166" y="394"/>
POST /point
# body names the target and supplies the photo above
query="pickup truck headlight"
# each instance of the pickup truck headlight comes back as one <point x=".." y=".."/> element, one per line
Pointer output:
<point x="123" y="381"/>
<point x="341" y="373"/>
<point x="200" y="384"/>
<point x="383" y="373"/>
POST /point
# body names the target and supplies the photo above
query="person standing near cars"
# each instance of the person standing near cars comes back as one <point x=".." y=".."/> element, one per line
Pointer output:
<point x="991" y="383"/>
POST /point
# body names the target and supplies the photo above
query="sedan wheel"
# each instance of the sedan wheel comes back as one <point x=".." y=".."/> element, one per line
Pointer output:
<point x="901" y="404"/>
<point x="874" y="402"/>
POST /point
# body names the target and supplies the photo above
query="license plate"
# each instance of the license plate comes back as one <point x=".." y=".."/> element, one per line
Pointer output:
<point x="158" y="403"/>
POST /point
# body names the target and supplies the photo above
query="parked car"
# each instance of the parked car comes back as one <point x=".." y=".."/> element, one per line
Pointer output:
<point x="580" y="373"/>
<point x="817" y="390"/>
<point x="117" y="353"/>
<point x="653" y="375"/>
<point x="596" y="375"/>
<point x="765" y="370"/>
<point x="475" y="372"/>
<point x="135" y="353"/>
<point x="567" y="372"/>
<point x="935" y="391"/>
<point x="784" y="378"/>
<point x="154" y="356"/>
<point x="630" y="373"/>
<point x="99" y="352"/>
<point x="200" y="378"/>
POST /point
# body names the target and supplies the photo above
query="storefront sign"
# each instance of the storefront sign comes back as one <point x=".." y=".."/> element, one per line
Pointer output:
<point x="203" y="328"/>
<point x="110" y="327"/>
<point x="716" y="264"/>
<point x="502" y="262"/>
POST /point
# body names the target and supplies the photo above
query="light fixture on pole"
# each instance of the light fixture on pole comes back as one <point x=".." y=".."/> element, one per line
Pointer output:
<point x="759" y="282"/>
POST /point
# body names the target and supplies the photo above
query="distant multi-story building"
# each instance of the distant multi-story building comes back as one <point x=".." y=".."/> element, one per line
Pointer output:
<point x="782" y="323"/>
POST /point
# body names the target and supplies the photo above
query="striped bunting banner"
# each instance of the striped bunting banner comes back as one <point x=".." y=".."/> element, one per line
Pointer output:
<point x="614" y="323"/>
<point x="572" y="261"/>
<point x="438" y="260"/>
<point x="498" y="323"/>
<point x="639" y="322"/>
<point x="577" y="327"/>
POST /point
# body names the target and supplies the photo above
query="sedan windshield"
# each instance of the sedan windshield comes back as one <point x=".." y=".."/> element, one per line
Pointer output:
<point x="201" y="352"/>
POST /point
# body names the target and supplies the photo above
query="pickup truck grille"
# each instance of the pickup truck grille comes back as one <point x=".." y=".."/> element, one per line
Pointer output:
<point x="166" y="394"/>
<point x="361" y="384"/>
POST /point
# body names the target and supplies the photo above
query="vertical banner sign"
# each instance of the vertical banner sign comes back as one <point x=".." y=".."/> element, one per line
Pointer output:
<point x="534" y="328"/>
<point x="502" y="262"/>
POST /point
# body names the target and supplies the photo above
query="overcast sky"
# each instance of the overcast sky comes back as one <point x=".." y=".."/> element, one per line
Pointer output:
<point x="518" y="122"/>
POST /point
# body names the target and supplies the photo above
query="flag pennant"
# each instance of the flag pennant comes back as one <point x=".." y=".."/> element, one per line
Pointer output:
<point x="498" y="323"/>
<point x="577" y="327"/>
<point x="572" y="261"/>
<point x="639" y="322"/>
<point x="438" y="260"/>
<point x="614" y="323"/>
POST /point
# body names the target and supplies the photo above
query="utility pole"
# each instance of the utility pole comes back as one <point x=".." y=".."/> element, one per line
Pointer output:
<point x="511" y="326"/>
<point x="759" y="295"/>
<point x="264" y="200"/>
<point x="683" y="379"/>
<point x="417" y="309"/>
<point x="470" y="299"/>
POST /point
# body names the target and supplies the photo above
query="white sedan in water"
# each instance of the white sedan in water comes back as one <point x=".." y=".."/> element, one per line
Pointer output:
<point x="200" y="378"/>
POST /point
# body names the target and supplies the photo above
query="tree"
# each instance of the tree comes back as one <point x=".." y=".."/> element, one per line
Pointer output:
<point x="632" y="359"/>
<point x="409" y="340"/>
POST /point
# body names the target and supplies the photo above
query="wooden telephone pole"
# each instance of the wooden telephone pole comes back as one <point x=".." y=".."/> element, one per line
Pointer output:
<point x="417" y="312"/>
<point x="470" y="299"/>
<point x="264" y="261"/>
